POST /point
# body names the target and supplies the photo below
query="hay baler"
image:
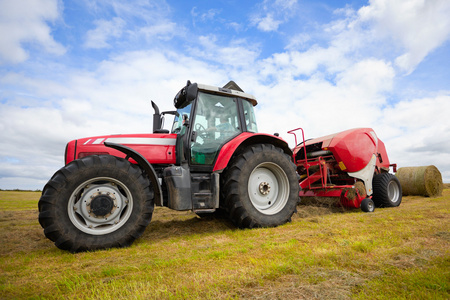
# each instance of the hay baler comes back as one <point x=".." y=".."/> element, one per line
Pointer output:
<point x="351" y="165"/>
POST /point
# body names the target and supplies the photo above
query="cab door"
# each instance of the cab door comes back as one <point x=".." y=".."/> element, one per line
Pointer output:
<point x="216" y="121"/>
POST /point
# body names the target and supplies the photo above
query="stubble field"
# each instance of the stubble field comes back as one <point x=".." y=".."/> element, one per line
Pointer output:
<point x="324" y="253"/>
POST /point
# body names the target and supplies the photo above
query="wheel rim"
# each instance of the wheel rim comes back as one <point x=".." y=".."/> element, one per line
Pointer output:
<point x="370" y="206"/>
<point x="100" y="205"/>
<point x="393" y="191"/>
<point x="268" y="188"/>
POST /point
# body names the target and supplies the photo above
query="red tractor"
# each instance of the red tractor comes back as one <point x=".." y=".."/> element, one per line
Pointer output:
<point x="212" y="159"/>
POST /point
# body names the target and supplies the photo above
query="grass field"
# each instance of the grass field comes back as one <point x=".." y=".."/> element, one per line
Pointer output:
<point x="325" y="253"/>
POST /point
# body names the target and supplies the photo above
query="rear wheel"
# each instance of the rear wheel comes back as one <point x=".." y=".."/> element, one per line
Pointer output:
<point x="261" y="187"/>
<point x="96" y="202"/>
<point x="387" y="191"/>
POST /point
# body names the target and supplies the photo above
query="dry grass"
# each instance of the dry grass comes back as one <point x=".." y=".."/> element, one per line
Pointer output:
<point x="326" y="252"/>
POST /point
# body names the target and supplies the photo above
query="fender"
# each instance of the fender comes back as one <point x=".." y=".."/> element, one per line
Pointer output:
<point x="144" y="164"/>
<point x="244" y="140"/>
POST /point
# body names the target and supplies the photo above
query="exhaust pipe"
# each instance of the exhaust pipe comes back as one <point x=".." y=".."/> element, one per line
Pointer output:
<point x="156" y="118"/>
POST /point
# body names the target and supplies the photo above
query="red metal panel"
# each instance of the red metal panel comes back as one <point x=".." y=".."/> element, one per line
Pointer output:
<point x="156" y="148"/>
<point x="384" y="163"/>
<point x="321" y="193"/>
<point x="70" y="152"/>
<point x="354" y="148"/>
<point x="228" y="149"/>
<point x="340" y="192"/>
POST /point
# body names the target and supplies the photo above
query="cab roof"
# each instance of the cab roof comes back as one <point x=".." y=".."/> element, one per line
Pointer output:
<point x="227" y="92"/>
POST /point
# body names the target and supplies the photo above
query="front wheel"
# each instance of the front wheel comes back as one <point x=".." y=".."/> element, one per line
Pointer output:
<point x="367" y="205"/>
<point x="96" y="202"/>
<point x="387" y="191"/>
<point x="261" y="187"/>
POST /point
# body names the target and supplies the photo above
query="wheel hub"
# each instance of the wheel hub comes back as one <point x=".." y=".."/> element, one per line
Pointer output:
<point x="102" y="205"/>
<point x="264" y="188"/>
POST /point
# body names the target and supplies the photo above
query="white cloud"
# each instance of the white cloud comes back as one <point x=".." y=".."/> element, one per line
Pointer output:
<point x="133" y="24"/>
<point x="271" y="14"/>
<point x="298" y="41"/>
<point x="417" y="134"/>
<point x="210" y="14"/>
<point x="236" y="26"/>
<point x="97" y="38"/>
<point x="150" y="11"/>
<point x="163" y="31"/>
<point x="419" y="26"/>
<point x="322" y="107"/>
<point x="267" y="23"/>
<point x="236" y="54"/>
<point x="367" y="77"/>
<point x="20" y="24"/>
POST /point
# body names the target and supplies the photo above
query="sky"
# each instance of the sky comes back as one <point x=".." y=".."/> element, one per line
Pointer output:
<point x="74" y="69"/>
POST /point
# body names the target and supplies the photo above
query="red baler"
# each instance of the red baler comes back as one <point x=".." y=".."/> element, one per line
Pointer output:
<point x="352" y="165"/>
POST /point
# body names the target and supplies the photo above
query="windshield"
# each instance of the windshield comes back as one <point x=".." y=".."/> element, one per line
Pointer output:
<point x="184" y="114"/>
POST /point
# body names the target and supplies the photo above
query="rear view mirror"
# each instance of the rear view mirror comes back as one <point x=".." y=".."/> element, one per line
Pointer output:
<point x="185" y="120"/>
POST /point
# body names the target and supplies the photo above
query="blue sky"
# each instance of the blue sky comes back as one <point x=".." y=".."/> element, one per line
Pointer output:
<point x="72" y="69"/>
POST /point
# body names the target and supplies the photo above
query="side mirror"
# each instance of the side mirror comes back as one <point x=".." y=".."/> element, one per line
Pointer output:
<point x="185" y="120"/>
<point x="186" y="94"/>
<point x="191" y="91"/>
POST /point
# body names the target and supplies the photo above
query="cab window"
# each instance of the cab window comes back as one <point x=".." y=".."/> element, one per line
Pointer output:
<point x="216" y="122"/>
<point x="249" y="115"/>
<point x="183" y="116"/>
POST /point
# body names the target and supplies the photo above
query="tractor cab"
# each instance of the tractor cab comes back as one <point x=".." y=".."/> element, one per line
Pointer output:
<point x="207" y="117"/>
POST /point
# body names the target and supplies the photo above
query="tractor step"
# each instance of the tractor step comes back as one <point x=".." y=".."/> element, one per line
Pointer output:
<point x="202" y="200"/>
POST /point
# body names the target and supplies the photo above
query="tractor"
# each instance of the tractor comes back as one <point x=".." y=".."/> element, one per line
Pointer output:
<point x="212" y="160"/>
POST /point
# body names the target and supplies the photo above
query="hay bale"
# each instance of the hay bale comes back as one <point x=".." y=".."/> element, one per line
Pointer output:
<point x="420" y="181"/>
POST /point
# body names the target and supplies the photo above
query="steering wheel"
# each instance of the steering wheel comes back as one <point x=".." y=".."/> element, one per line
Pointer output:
<point x="201" y="131"/>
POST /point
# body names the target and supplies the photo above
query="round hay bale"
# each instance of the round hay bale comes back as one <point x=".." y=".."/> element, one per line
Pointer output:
<point x="420" y="181"/>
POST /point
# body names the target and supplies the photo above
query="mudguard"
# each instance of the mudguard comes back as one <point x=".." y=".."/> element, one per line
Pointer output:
<point x="244" y="140"/>
<point x="144" y="164"/>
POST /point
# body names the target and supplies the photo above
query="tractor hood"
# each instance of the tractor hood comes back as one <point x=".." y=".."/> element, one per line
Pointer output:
<point x="156" y="148"/>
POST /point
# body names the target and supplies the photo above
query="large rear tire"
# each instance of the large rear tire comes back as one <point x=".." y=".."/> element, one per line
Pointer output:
<point x="387" y="191"/>
<point x="261" y="187"/>
<point x="96" y="202"/>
